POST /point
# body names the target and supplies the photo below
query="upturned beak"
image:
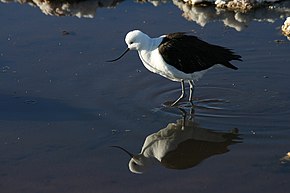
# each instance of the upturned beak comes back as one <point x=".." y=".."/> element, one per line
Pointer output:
<point x="130" y="154"/>
<point x="119" y="56"/>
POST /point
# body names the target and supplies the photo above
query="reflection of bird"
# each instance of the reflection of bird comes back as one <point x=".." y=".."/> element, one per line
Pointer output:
<point x="180" y="145"/>
<point x="178" y="57"/>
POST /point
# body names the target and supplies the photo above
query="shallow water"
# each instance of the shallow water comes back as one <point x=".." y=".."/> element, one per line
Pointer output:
<point x="62" y="105"/>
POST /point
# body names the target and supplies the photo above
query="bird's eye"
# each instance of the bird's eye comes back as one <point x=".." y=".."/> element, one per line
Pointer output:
<point x="131" y="42"/>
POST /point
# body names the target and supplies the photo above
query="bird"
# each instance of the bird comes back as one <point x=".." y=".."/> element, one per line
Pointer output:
<point x="179" y="56"/>
<point x="180" y="145"/>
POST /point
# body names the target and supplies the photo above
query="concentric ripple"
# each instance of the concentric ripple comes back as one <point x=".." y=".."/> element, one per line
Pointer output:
<point x="224" y="102"/>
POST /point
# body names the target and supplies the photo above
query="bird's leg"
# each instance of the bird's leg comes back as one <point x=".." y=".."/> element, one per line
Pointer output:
<point x="191" y="85"/>
<point x="191" y="113"/>
<point x="182" y="94"/>
<point x="184" y="114"/>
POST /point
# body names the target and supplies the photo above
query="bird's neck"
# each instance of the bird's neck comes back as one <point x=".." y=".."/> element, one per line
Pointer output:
<point x="151" y="44"/>
<point x="155" y="42"/>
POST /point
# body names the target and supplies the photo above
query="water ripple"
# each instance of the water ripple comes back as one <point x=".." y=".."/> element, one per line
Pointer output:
<point x="231" y="102"/>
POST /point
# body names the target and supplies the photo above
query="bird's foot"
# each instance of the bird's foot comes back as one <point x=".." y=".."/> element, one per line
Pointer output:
<point x="169" y="104"/>
<point x="191" y="103"/>
<point x="175" y="103"/>
<point x="178" y="104"/>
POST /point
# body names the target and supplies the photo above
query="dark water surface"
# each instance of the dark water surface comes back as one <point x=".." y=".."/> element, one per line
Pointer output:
<point x="62" y="106"/>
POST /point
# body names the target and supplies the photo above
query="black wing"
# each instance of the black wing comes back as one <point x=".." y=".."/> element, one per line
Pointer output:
<point x="189" y="54"/>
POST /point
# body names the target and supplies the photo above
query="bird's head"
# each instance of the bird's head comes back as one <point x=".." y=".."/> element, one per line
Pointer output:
<point x="135" y="40"/>
<point x="138" y="163"/>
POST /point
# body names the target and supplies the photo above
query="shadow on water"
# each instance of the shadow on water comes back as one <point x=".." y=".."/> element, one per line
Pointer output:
<point x="15" y="108"/>
<point x="181" y="145"/>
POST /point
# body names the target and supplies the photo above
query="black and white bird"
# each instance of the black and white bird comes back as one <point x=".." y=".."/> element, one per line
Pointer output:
<point x="178" y="56"/>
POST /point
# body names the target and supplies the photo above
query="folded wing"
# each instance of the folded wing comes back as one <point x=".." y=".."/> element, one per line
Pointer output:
<point x="189" y="54"/>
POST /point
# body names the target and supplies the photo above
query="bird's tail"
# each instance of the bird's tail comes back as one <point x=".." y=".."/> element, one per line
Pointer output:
<point x="229" y="65"/>
<point x="232" y="56"/>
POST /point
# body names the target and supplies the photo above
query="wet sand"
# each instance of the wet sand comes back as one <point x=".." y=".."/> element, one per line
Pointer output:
<point x="62" y="105"/>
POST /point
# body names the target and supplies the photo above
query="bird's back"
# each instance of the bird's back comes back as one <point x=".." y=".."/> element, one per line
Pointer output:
<point x="189" y="54"/>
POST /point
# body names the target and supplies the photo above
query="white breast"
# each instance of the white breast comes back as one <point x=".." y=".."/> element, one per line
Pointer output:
<point x="154" y="62"/>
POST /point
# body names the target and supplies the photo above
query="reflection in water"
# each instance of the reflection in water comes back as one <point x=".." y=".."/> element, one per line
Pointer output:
<point x="285" y="159"/>
<point x="235" y="19"/>
<point x="285" y="163"/>
<point x="78" y="8"/>
<point x="181" y="145"/>
<point x="286" y="28"/>
<point x="199" y="14"/>
<point x="242" y="5"/>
